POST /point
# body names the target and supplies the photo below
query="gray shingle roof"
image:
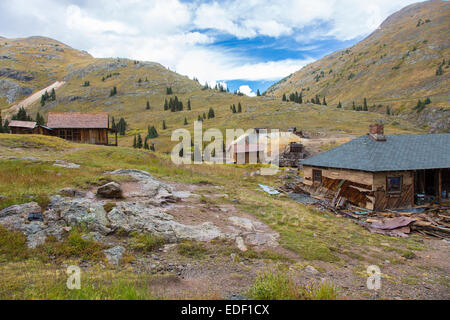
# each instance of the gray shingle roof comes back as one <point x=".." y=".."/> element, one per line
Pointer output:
<point x="398" y="152"/>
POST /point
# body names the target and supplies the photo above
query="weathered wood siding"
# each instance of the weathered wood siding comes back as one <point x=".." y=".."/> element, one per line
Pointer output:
<point x="338" y="174"/>
<point x="91" y="136"/>
<point x="385" y="200"/>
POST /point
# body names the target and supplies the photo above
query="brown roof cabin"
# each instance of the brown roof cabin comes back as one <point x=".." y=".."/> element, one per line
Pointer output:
<point x="381" y="172"/>
<point x="78" y="127"/>
<point x="28" y="127"/>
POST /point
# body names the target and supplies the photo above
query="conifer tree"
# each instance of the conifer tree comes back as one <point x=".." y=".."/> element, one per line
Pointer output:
<point x="284" y="97"/>
<point x="1" y="124"/>
<point x="339" y="106"/>
<point x="234" y="108"/>
<point x="139" y="141"/>
<point x="324" y="101"/>
<point x="164" y="125"/>
<point x="113" y="125"/>
<point x="204" y="115"/>
<point x="199" y="118"/>
<point x="365" y="104"/>
<point x="185" y="121"/>
<point x="146" y="144"/>
<point x="134" y="142"/>
<point x="39" y="120"/>
<point x="166" y="105"/>
<point x="239" y="108"/>
<point x="258" y="94"/>
<point x="317" y="99"/>
<point x="189" y="104"/>
<point x="147" y="106"/>
<point x="211" y="113"/>
<point x="152" y="147"/>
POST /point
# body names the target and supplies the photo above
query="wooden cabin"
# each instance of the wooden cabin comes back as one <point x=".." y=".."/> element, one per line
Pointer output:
<point x="381" y="172"/>
<point x="78" y="127"/>
<point x="28" y="127"/>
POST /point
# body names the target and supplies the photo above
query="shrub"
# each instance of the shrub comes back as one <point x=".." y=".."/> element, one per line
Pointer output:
<point x="13" y="245"/>
<point x="145" y="242"/>
<point x="74" y="246"/>
<point x="191" y="249"/>
<point x="281" y="286"/>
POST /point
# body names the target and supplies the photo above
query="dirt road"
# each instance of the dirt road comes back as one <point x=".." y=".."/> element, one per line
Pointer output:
<point x="31" y="99"/>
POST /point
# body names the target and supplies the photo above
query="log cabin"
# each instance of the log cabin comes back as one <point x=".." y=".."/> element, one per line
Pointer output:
<point x="78" y="127"/>
<point x="28" y="127"/>
<point x="379" y="172"/>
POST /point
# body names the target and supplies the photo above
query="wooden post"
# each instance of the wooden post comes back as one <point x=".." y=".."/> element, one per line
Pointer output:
<point x="116" y="137"/>
<point x="439" y="185"/>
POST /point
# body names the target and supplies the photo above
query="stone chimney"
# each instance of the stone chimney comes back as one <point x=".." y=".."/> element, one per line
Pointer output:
<point x="376" y="132"/>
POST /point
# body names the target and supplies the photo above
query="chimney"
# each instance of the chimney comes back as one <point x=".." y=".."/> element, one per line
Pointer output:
<point x="376" y="132"/>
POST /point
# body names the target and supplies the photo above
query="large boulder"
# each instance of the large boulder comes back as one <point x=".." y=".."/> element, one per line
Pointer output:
<point x="148" y="186"/>
<point x="24" y="210"/>
<point x="20" y="218"/>
<point x="110" y="190"/>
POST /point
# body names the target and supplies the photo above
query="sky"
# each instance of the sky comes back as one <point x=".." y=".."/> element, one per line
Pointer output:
<point x="248" y="45"/>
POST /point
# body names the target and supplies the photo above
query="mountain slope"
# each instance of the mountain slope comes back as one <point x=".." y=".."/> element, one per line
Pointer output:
<point x="395" y="66"/>
<point x="31" y="68"/>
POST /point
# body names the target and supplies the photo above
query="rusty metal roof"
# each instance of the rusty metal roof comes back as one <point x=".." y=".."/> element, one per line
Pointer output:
<point x="22" y="124"/>
<point x="77" y="120"/>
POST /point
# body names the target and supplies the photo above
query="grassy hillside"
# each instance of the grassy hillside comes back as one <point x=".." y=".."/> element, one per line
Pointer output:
<point x="76" y="68"/>
<point x="393" y="67"/>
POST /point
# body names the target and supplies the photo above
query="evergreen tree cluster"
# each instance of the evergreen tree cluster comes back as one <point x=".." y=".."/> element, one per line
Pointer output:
<point x="110" y="75"/>
<point x="48" y="97"/>
<point x="211" y="113"/>
<point x="4" y="126"/>
<point x="221" y="88"/>
<point x="86" y="84"/>
<point x="174" y="104"/>
<point x="120" y="127"/>
<point x="151" y="132"/>
<point x="113" y="91"/>
<point x="22" y="115"/>
<point x="236" y="110"/>
<point x="169" y="91"/>
<point x="421" y="105"/>
<point x="440" y="70"/>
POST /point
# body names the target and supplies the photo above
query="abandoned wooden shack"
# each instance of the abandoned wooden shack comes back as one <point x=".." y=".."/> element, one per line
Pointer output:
<point x="256" y="146"/>
<point x="381" y="172"/>
<point x="78" y="127"/>
<point x="28" y="127"/>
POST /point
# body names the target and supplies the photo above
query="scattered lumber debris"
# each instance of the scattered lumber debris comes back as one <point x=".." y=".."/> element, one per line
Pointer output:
<point x="429" y="220"/>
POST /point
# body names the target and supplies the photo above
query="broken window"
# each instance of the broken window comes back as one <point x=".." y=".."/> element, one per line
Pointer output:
<point x="317" y="176"/>
<point x="394" y="184"/>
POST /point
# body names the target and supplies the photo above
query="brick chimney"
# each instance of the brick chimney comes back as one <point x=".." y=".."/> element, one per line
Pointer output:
<point x="376" y="132"/>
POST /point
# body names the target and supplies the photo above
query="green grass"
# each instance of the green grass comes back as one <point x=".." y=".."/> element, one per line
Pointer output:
<point x="74" y="246"/>
<point x="192" y="249"/>
<point x="143" y="242"/>
<point x="282" y="286"/>
<point x="13" y="245"/>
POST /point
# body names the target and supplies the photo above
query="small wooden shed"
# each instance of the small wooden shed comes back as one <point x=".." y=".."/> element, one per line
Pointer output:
<point x="78" y="127"/>
<point x="28" y="127"/>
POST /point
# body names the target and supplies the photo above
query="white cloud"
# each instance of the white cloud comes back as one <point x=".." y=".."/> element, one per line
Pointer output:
<point x="247" y="91"/>
<point x="172" y="32"/>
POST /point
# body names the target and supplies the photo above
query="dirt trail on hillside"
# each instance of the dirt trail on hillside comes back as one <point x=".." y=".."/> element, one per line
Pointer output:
<point x="32" y="98"/>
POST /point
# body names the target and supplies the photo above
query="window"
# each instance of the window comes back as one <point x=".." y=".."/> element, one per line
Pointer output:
<point x="317" y="176"/>
<point x="394" y="184"/>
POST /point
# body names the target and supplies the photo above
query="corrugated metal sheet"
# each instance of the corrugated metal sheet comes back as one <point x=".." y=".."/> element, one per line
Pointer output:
<point x="398" y="152"/>
<point x="76" y="120"/>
